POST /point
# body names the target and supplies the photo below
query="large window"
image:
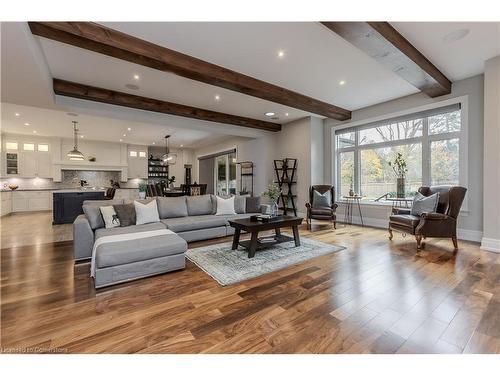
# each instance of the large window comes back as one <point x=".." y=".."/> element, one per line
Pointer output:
<point x="429" y="142"/>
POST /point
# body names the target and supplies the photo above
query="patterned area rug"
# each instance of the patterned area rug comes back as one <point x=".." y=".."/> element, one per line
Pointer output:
<point x="228" y="266"/>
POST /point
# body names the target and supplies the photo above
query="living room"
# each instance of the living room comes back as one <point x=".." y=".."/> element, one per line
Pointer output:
<point x="242" y="187"/>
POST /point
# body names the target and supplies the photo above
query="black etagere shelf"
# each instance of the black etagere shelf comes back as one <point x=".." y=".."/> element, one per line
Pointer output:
<point x="156" y="169"/>
<point x="285" y="170"/>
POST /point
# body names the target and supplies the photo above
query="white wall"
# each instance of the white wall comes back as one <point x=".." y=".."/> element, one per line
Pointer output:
<point x="259" y="150"/>
<point x="294" y="141"/>
<point x="472" y="224"/>
<point x="301" y="139"/>
<point x="491" y="215"/>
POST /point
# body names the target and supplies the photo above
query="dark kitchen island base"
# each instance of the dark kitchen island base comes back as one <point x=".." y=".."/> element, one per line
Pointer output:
<point x="67" y="204"/>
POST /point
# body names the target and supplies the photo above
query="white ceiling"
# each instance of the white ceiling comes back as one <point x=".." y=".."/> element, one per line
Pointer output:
<point x="48" y="122"/>
<point x="315" y="60"/>
<point x="459" y="59"/>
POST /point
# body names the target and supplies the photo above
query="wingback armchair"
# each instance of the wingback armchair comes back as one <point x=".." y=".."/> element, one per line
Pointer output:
<point x="323" y="212"/>
<point x="441" y="224"/>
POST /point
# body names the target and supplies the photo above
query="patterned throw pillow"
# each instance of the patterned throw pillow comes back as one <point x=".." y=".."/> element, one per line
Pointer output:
<point x="322" y="200"/>
<point x="110" y="217"/>
<point x="423" y="204"/>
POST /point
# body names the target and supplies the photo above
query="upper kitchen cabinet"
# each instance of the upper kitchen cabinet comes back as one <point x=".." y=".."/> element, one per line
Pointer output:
<point x="26" y="157"/>
<point x="35" y="163"/>
<point x="137" y="160"/>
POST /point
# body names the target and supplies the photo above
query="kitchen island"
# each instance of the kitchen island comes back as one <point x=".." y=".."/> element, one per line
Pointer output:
<point x="67" y="204"/>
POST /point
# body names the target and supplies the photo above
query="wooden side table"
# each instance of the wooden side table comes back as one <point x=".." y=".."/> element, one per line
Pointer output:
<point x="350" y="201"/>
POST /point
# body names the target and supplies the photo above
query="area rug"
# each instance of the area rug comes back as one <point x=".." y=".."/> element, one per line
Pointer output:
<point x="228" y="266"/>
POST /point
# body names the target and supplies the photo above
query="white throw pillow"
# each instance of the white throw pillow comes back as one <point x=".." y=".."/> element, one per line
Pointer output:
<point x="146" y="213"/>
<point x="110" y="217"/>
<point x="225" y="206"/>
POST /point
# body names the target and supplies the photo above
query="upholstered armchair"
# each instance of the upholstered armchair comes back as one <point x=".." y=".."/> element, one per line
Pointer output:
<point x="326" y="212"/>
<point x="441" y="224"/>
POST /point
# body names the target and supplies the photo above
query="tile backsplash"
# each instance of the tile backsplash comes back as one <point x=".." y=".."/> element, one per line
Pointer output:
<point x="93" y="178"/>
<point x="71" y="179"/>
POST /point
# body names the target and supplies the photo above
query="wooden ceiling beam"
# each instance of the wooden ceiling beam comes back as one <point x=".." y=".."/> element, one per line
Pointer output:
<point x="385" y="44"/>
<point x="97" y="94"/>
<point x="101" y="39"/>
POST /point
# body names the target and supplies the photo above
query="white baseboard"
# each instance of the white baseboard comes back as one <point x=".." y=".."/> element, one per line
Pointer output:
<point x="469" y="235"/>
<point x="462" y="234"/>
<point x="490" y="244"/>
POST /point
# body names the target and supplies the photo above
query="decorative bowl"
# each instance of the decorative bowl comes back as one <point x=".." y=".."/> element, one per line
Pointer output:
<point x="13" y="186"/>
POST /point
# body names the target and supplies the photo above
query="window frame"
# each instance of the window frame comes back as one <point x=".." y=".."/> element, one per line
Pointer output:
<point x="425" y="140"/>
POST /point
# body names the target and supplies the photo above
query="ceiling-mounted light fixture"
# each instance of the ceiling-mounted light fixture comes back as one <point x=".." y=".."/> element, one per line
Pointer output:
<point x="168" y="158"/>
<point x="75" y="154"/>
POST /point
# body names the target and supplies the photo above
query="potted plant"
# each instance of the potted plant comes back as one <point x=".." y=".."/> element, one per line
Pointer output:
<point x="142" y="190"/>
<point x="399" y="168"/>
<point x="273" y="192"/>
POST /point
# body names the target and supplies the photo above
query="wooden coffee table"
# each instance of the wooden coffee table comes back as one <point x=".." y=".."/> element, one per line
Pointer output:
<point x="254" y="227"/>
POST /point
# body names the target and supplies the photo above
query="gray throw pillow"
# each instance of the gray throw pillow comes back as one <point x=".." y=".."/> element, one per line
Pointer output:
<point x="252" y="205"/>
<point x="423" y="204"/>
<point x="172" y="207"/>
<point x="322" y="200"/>
<point x="125" y="213"/>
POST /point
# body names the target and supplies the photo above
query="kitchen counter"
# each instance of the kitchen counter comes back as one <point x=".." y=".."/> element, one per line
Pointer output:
<point x="61" y="191"/>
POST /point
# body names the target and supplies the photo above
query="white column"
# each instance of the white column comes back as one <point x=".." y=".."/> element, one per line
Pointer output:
<point x="491" y="165"/>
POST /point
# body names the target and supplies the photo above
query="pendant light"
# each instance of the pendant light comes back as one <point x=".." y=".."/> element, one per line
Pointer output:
<point x="75" y="154"/>
<point x="168" y="158"/>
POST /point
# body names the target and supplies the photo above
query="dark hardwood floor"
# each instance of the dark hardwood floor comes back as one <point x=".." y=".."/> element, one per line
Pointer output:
<point x="377" y="296"/>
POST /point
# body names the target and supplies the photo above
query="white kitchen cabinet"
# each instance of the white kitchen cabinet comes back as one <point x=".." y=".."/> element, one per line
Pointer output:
<point x="6" y="203"/>
<point x="27" y="164"/>
<point x="35" y="164"/>
<point x="31" y="200"/>
<point x="44" y="165"/>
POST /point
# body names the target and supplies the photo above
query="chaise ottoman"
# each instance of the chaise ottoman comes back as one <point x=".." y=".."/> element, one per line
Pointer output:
<point x="125" y="257"/>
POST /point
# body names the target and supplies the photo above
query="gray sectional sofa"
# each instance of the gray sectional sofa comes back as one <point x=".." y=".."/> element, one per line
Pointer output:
<point x="190" y="218"/>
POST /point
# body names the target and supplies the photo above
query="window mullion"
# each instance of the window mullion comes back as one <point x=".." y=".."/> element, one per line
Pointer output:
<point x="357" y="165"/>
<point x="426" y="154"/>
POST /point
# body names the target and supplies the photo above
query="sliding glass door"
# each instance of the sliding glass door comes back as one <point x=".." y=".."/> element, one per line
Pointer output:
<point x="225" y="174"/>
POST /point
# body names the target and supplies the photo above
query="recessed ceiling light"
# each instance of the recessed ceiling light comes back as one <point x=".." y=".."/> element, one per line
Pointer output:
<point x="455" y="35"/>
<point x="217" y="97"/>
<point x="124" y="135"/>
<point x="34" y="131"/>
<point x="81" y="136"/>
<point x="26" y="124"/>
<point x="286" y="114"/>
<point x="136" y="77"/>
<point x="129" y="129"/>
<point x="17" y="114"/>
<point x="342" y="83"/>
<point x="281" y="53"/>
<point x="182" y="145"/>
<point x="131" y="86"/>
<point x="154" y="143"/>
<point x="121" y="140"/>
<point x="269" y="114"/>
